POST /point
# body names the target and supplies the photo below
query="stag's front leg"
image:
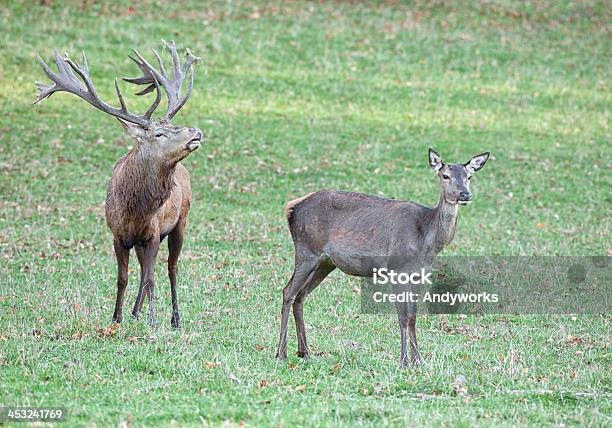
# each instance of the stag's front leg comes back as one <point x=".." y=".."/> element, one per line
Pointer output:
<point x="142" y="289"/>
<point x="146" y="256"/>
<point x="175" y="243"/>
<point x="123" y="258"/>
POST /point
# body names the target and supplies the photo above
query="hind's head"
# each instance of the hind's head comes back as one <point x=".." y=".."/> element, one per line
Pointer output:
<point x="455" y="178"/>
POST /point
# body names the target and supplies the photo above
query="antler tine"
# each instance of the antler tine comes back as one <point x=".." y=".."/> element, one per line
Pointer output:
<point x="183" y="100"/>
<point x="190" y="59"/>
<point x="156" y="102"/>
<point x="162" y="69"/>
<point x="45" y="90"/>
<point x="84" y="75"/>
<point x="176" y="63"/>
<point x="59" y="62"/>
<point x="155" y="78"/>
<point x="150" y="75"/>
<point x="82" y="86"/>
<point x="146" y="67"/>
<point x="118" y="91"/>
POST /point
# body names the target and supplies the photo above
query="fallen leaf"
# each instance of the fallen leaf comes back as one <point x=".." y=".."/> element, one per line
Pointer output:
<point x="300" y="388"/>
<point x="263" y="383"/>
<point x="109" y="331"/>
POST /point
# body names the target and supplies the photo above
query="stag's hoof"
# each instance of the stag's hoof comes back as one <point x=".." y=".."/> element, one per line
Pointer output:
<point x="152" y="321"/>
<point x="175" y="322"/>
<point x="303" y="354"/>
<point x="414" y="363"/>
<point x="281" y="355"/>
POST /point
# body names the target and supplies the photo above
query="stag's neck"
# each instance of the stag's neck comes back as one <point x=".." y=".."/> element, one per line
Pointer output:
<point x="143" y="183"/>
<point x="444" y="224"/>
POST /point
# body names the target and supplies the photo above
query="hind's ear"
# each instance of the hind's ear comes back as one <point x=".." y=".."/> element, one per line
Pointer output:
<point x="132" y="129"/>
<point x="477" y="162"/>
<point x="435" y="161"/>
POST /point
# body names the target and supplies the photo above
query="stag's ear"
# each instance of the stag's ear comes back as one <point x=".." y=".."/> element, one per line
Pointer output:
<point x="132" y="129"/>
<point x="435" y="161"/>
<point x="477" y="162"/>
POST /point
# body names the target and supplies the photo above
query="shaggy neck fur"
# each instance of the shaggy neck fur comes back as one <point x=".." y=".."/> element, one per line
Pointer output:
<point x="145" y="184"/>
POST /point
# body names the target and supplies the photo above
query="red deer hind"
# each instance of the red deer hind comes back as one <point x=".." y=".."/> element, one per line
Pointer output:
<point x="349" y="231"/>
<point x="149" y="193"/>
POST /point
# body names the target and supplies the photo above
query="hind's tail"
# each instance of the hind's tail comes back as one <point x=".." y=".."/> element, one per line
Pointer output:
<point x="290" y="207"/>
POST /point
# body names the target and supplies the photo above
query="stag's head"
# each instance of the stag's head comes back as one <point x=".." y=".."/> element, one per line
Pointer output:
<point x="157" y="137"/>
<point x="163" y="141"/>
<point x="455" y="178"/>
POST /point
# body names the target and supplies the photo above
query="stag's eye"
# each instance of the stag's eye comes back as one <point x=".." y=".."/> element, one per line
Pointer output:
<point x="446" y="177"/>
<point x="469" y="177"/>
<point x="159" y="135"/>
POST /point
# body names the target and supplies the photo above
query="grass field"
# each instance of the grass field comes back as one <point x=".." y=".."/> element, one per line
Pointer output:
<point x="297" y="97"/>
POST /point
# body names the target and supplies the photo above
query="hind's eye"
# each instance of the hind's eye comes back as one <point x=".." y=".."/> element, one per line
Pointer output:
<point x="470" y="177"/>
<point x="159" y="135"/>
<point x="446" y="177"/>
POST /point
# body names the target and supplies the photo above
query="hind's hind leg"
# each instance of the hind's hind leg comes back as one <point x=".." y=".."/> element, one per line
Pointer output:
<point x="318" y="275"/>
<point x="305" y="268"/>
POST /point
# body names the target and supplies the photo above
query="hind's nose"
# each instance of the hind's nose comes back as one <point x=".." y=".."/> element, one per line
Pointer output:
<point x="465" y="196"/>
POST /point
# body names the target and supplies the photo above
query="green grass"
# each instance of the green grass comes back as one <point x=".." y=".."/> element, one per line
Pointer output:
<point x="298" y="97"/>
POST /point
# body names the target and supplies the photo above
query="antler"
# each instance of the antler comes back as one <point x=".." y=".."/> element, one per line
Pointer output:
<point x="172" y="86"/>
<point x="66" y="80"/>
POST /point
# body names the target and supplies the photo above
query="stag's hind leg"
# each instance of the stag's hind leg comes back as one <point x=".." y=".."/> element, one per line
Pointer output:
<point x="175" y="243"/>
<point x="146" y="256"/>
<point x="123" y="258"/>
<point x="142" y="290"/>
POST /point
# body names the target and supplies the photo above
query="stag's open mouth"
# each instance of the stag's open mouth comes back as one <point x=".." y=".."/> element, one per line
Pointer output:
<point x="464" y="202"/>
<point x="194" y="143"/>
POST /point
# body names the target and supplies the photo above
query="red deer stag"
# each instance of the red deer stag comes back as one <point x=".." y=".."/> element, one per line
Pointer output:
<point x="350" y="231"/>
<point x="149" y="193"/>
